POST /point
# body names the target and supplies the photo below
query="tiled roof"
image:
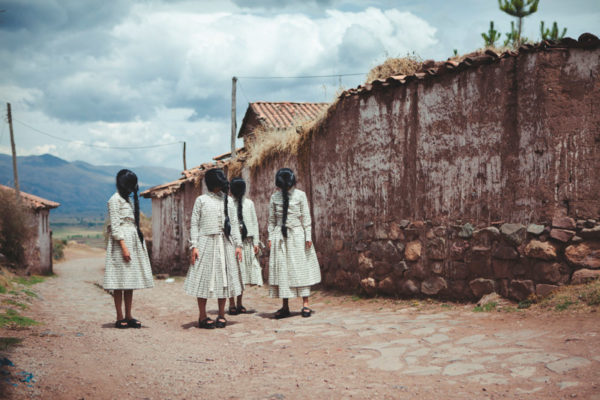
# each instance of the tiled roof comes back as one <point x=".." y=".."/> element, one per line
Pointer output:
<point x="281" y="115"/>
<point x="33" y="201"/>
<point x="432" y="69"/>
<point x="227" y="155"/>
<point x="189" y="175"/>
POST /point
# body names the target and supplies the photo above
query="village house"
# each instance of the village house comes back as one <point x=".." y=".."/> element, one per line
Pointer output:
<point x="38" y="250"/>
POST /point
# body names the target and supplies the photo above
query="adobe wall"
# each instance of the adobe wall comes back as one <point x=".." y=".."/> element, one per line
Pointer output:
<point x="396" y="171"/>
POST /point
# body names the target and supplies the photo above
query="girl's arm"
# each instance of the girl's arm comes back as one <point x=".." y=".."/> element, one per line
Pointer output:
<point x="254" y="222"/>
<point x="272" y="219"/>
<point x="115" y="227"/>
<point x="306" y="219"/>
<point x="194" y="231"/>
<point x="235" y="224"/>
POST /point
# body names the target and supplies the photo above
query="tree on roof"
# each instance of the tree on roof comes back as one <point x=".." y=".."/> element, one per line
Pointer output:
<point x="519" y="9"/>
<point x="552" y="34"/>
<point x="491" y="36"/>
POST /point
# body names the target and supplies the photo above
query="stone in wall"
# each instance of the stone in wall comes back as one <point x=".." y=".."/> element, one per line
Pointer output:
<point x="481" y="286"/>
<point x="585" y="275"/>
<point x="521" y="289"/>
<point x="436" y="249"/>
<point x="584" y="255"/>
<point x="479" y="262"/>
<point x="410" y="287"/>
<point x="413" y="251"/>
<point x="562" y="235"/>
<point x="541" y="250"/>
<point x="543" y="290"/>
<point x="513" y="233"/>
<point x="433" y="285"/>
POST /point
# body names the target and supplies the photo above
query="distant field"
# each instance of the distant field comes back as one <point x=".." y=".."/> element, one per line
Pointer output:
<point x="90" y="233"/>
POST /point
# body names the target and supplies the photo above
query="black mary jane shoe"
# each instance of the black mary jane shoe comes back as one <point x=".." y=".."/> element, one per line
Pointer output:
<point x="282" y="313"/>
<point x="121" y="324"/>
<point x="241" y="310"/>
<point x="206" y="323"/>
<point x="306" y="312"/>
<point x="233" y="310"/>
<point x="134" y="323"/>
<point x="221" y="322"/>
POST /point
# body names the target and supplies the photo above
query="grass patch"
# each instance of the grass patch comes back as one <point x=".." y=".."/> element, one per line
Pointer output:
<point x="7" y="342"/>
<point x="524" y="304"/>
<point x="22" y="306"/>
<point x="486" y="307"/>
<point x="29" y="280"/>
<point x="29" y="293"/>
<point x="563" y="305"/>
<point x="573" y="297"/>
<point x="3" y="289"/>
<point x="13" y="318"/>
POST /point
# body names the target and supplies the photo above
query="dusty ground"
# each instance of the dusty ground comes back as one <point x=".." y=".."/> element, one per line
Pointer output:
<point x="350" y="348"/>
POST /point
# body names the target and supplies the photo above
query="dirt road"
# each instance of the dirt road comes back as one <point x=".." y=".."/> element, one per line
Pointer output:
<point x="348" y="349"/>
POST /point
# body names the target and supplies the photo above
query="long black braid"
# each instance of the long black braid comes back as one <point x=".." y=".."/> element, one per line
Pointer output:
<point x="238" y="189"/>
<point x="285" y="180"/>
<point x="127" y="183"/>
<point x="215" y="178"/>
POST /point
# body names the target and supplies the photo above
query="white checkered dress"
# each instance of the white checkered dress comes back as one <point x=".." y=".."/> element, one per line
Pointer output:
<point x="118" y="274"/>
<point x="215" y="274"/>
<point x="250" y="270"/>
<point x="292" y="268"/>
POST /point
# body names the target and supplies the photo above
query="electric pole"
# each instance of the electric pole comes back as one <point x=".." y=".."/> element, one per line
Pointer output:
<point x="14" y="152"/>
<point x="184" y="164"/>
<point x="233" y="116"/>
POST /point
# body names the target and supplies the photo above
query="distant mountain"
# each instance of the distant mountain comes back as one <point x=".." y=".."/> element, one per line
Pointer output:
<point x="82" y="189"/>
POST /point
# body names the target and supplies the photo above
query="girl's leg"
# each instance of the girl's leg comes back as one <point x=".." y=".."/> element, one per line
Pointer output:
<point x="232" y="307"/>
<point x="239" y="301"/>
<point x="128" y="294"/>
<point x="118" y="298"/>
<point x="305" y="301"/>
<point x="286" y="304"/>
<point x="202" y="308"/>
<point x="221" y="303"/>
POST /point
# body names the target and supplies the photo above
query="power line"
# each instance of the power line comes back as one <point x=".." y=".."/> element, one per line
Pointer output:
<point x="94" y="145"/>
<point x="300" y="77"/>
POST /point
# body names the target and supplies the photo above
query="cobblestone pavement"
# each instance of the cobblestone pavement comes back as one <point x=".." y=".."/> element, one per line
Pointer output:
<point x="349" y="348"/>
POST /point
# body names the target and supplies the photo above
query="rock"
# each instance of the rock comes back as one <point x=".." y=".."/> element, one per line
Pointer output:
<point x="540" y="250"/>
<point x="382" y="268"/>
<point x="410" y="287"/>
<point x="433" y="285"/>
<point x="430" y="235"/>
<point x="502" y="287"/>
<point x="479" y="262"/>
<point x="584" y="275"/>
<point x="543" y="290"/>
<point x="503" y="268"/>
<point x="584" y="255"/>
<point x="590" y="233"/>
<point x="481" y="286"/>
<point x="563" y="223"/>
<point x="417" y="271"/>
<point x="437" y="268"/>
<point x="562" y="235"/>
<point x="576" y="239"/>
<point x="436" y="249"/>
<point x="589" y="223"/>
<point x="490" y="298"/>
<point x="365" y="264"/>
<point x="384" y="250"/>
<point x="413" y="250"/>
<point x="504" y="252"/>
<point x="394" y="231"/>
<point x="466" y="231"/>
<point x="417" y="224"/>
<point x="520" y="290"/>
<point x="360" y="246"/>
<point x="338" y="245"/>
<point x="458" y="249"/>
<point x="369" y="224"/>
<point x="399" y="268"/>
<point x="549" y="272"/>
<point x="387" y="286"/>
<point x="514" y="233"/>
<point x="457" y="270"/>
<point x="369" y="285"/>
<point x="459" y="290"/>
<point x="161" y="276"/>
<point x="404" y="223"/>
<point x="535" y="229"/>
<point x="439" y="231"/>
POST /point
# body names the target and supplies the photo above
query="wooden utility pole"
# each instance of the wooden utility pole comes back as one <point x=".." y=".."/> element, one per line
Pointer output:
<point x="233" y="116"/>
<point x="184" y="164"/>
<point x="14" y="152"/>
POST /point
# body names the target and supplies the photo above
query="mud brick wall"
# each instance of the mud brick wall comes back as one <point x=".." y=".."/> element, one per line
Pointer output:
<point x="399" y="167"/>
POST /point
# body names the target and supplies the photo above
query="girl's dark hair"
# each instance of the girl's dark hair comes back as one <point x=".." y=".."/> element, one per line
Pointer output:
<point x="285" y="180"/>
<point x="127" y="183"/>
<point x="215" y="178"/>
<point x="238" y="189"/>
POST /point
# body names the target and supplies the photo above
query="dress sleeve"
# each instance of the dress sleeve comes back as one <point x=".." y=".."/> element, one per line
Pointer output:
<point x="272" y="218"/>
<point x="115" y="219"/>
<point x="195" y="223"/>
<point x="254" y="222"/>
<point x="235" y="223"/>
<point x="306" y="219"/>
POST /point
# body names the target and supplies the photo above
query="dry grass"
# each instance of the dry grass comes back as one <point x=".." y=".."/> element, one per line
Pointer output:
<point x="395" y="66"/>
<point x="584" y="297"/>
<point x="481" y="51"/>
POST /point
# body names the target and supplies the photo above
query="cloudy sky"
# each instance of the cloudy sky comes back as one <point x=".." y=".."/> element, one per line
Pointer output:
<point x="83" y="75"/>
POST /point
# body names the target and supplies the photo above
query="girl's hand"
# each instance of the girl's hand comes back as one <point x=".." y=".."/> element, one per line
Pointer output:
<point x="269" y="245"/>
<point x="194" y="256"/>
<point x="238" y="253"/>
<point x="255" y="249"/>
<point x="125" y="251"/>
<point x="308" y="244"/>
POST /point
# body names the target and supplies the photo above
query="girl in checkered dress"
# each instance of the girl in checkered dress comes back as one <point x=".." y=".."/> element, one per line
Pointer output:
<point x="127" y="264"/>
<point x="216" y="244"/>
<point x="293" y="264"/>
<point x="250" y="270"/>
